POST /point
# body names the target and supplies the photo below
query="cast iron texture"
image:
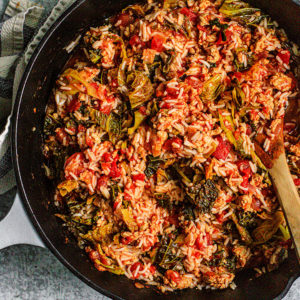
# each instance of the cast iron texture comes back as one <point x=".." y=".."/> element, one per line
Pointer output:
<point x="37" y="193"/>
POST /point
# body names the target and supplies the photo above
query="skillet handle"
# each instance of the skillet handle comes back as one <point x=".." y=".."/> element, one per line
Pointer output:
<point x="16" y="228"/>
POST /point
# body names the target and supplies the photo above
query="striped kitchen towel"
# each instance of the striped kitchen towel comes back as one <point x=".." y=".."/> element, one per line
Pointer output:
<point x="21" y="29"/>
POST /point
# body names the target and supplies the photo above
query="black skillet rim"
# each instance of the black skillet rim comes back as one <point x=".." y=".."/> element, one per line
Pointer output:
<point x="20" y="186"/>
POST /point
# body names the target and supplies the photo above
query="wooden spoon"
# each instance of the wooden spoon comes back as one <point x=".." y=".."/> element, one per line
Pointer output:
<point x="275" y="161"/>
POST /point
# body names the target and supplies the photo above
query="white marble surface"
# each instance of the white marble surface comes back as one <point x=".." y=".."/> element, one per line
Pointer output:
<point x="33" y="273"/>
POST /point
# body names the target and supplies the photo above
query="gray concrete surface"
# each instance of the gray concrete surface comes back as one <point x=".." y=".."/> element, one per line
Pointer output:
<point x="33" y="273"/>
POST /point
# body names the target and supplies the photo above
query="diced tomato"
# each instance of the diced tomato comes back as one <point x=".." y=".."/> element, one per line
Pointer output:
<point x="229" y="199"/>
<point x="187" y="12"/>
<point x="134" y="267"/>
<point x="249" y="129"/>
<point x="74" y="164"/>
<point x="297" y="181"/>
<point x="114" y="170"/>
<point x="237" y="75"/>
<point x="172" y="92"/>
<point x="126" y="240"/>
<point x="284" y="55"/>
<point x="89" y="141"/>
<point x="220" y="217"/>
<point x="61" y="135"/>
<point x="228" y="35"/>
<point x="160" y="90"/>
<point x="136" y="41"/>
<point x="199" y="244"/>
<point x="244" y="168"/>
<point x="81" y="128"/>
<point x="227" y="81"/>
<point x="166" y="105"/>
<point x="143" y="110"/>
<point x="169" y="144"/>
<point x="152" y="269"/>
<point x="74" y="105"/>
<point x="173" y="275"/>
<point x="193" y="82"/>
<point x="201" y="28"/>
<point x="124" y="19"/>
<point x="94" y="255"/>
<point x="209" y="239"/>
<point x="106" y="109"/>
<point x="245" y="182"/>
<point x="157" y="43"/>
<point x="107" y="157"/>
<point x="102" y="181"/>
<point x="222" y="149"/>
<point x="140" y="177"/>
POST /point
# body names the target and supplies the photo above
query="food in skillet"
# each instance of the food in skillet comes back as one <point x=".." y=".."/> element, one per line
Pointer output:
<point x="150" y="138"/>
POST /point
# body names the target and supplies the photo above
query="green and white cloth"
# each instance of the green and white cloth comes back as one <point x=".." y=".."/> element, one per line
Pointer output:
<point x="22" y="25"/>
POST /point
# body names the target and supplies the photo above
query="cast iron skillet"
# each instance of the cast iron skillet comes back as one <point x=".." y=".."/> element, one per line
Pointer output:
<point x="37" y="193"/>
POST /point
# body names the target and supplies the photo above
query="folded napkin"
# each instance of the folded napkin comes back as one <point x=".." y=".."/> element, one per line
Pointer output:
<point x="22" y="25"/>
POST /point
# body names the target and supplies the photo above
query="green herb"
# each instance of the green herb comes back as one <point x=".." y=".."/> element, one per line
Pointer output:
<point x="138" y="119"/>
<point x="140" y="88"/>
<point x="113" y="127"/>
<point x="164" y="201"/>
<point x="167" y="256"/>
<point x="212" y="88"/>
<point x="203" y="195"/>
<point x="247" y="219"/>
<point x="152" y="165"/>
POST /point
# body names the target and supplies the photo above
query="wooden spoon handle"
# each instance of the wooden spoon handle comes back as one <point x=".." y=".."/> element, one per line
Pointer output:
<point x="288" y="197"/>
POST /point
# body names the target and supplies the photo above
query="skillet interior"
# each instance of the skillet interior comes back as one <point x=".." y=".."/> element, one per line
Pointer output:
<point x="36" y="190"/>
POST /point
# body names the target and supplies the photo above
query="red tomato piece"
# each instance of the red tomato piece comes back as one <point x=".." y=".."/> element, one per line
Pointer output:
<point x="136" y="41"/>
<point x="140" y="177"/>
<point x="124" y="19"/>
<point x="126" y="240"/>
<point x="107" y="157"/>
<point x="199" y="244"/>
<point x="143" y="110"/>
<point x="201" y="28"/>
<point x="157" y="43"/>
<point x="228" y="35"/>
<point x="134" y="267"/>
<point x="220" y="217"/>
<point x="114" y="170"/>
<point x="74" y="164"/>
<point x="74" y="105"/>
<point x="297" y="181"/>
<point x="187" y="12"/>
<point x="106" y="109"/>
<point x="81" y="128"/>
<point x="284" y="55"/>
<point x="89" y="141"/>
<point x="169" y="144"/>
<point x="152" y="269"/>
<point x="244" y="168"/>
<point x="102" y="181"/>
<point x="222" y="149"/>
<point x="209" y="239"/>
<point x="173" y="275"/>
<point x="245" y="182"/>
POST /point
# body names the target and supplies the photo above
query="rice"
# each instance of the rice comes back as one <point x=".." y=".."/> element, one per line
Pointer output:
<point x="155" y="154"/>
